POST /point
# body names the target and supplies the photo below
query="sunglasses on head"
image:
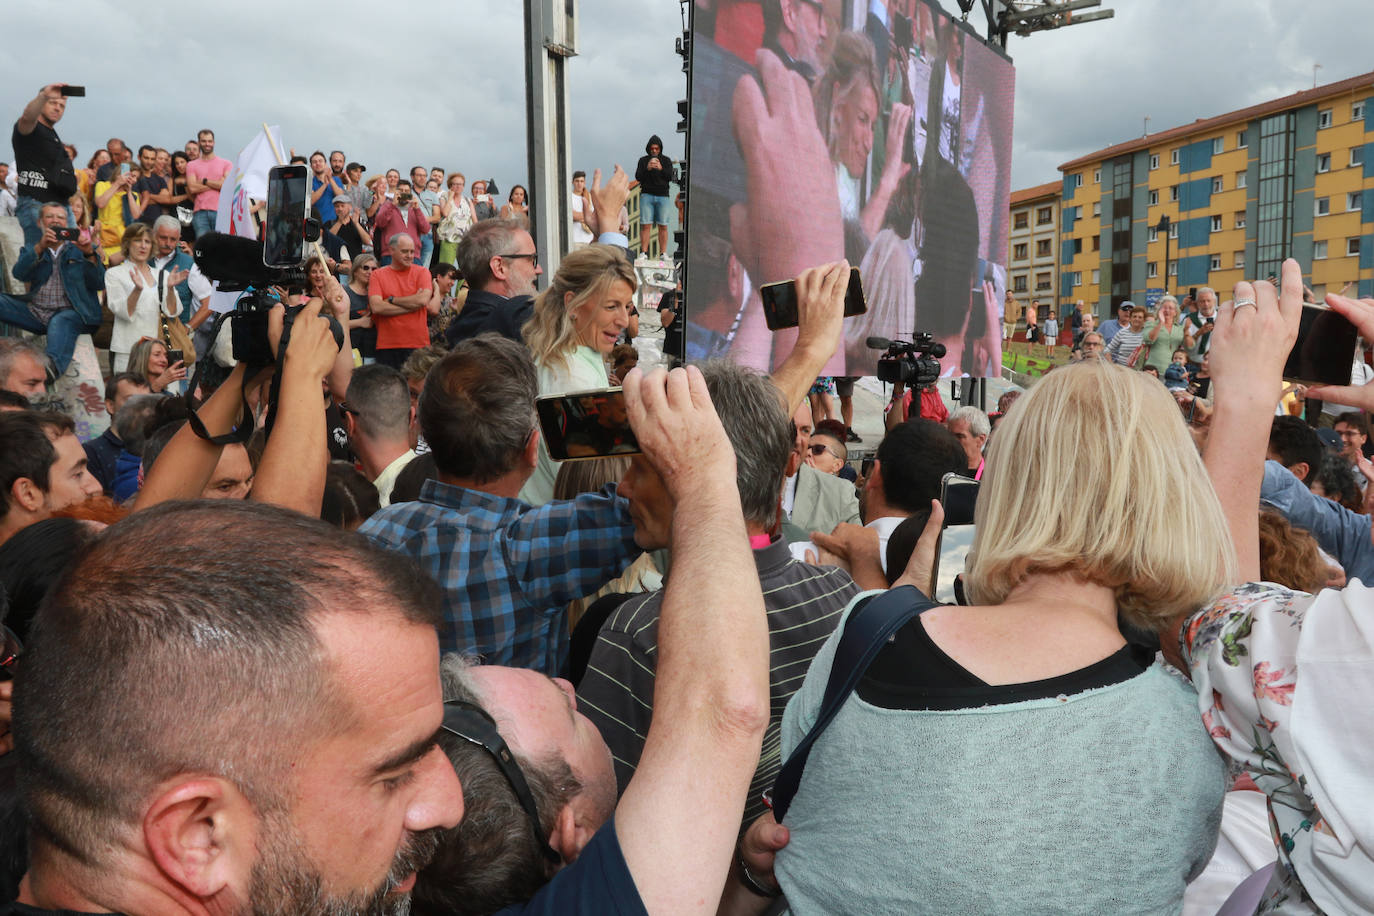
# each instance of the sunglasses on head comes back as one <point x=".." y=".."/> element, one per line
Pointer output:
<point x="473" y="724"/>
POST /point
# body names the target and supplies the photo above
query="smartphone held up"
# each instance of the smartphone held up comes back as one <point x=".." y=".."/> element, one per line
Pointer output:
<point x="780" y="301"/>
<point x="586" y="424"/>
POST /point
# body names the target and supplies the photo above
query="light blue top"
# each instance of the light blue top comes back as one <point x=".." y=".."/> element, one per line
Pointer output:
<point x="1342" y="533"/>
<point x="1102" y="802"/>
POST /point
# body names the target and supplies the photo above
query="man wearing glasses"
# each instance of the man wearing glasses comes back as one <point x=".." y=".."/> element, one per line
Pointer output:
<point x="499" y="261"/>
<point x="795" y="30"/>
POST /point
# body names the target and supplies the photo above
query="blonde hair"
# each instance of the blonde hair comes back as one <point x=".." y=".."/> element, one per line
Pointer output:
<point x="1140" y="516"/>
<point x="586" y="273"/>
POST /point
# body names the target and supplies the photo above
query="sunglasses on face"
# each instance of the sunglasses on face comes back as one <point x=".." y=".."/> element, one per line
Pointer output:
<point x="818" y="448"/>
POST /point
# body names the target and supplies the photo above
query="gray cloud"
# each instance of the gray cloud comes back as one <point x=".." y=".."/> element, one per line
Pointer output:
<point x="443" y="84"/>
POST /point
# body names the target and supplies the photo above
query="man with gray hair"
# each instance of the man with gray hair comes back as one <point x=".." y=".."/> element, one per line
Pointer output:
<point x="378" y="416"/>
<point x="971" y="427"/>
<point x="194" y="292"/>
<point x="401" y="297"/>
<point x="23" y="367"/>
<point x="499" y="261"/>
<point x="803" y="602"/>
<point x="1198" y="326"/>
<point x="508" y="571"/>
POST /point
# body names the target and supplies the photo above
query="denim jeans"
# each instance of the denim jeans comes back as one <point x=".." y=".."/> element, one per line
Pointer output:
<point x="26" y="210"/>
<point x="62" y="331"/>
<point x="203" y="221"/>
<point x="426" y="250"/>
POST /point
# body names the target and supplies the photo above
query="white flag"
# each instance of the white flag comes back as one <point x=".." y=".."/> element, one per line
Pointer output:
<point x="246" y="181"/>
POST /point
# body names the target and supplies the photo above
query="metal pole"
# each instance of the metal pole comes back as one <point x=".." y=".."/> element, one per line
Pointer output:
<point x="550" y="39"/>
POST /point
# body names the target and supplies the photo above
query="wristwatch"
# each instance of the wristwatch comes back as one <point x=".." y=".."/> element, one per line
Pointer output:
<point x="391" y="300"/>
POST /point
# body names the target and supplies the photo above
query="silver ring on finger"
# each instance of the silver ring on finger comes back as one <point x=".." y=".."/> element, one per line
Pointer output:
<point x="1241" y="303"/>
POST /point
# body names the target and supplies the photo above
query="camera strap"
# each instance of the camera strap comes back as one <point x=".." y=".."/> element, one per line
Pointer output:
<point x="244" y="430"/>
<point x="867" y="631"/>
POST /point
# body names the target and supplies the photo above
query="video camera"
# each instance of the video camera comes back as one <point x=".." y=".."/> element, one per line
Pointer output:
<point x="915" y="364"/>
<point x="253" y="267"/>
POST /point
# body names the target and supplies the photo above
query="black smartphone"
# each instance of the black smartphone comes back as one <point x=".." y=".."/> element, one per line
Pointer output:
<point x="958" y="497"/>
<point x="73" y="91"/>
<point x="1324" y="350"/>
<point x="586" y="424"/>
<point x="67" y="233"/>
<point x="288" y="205"/>
<point x="174" y="357"/>
<point x="780" y="301"/>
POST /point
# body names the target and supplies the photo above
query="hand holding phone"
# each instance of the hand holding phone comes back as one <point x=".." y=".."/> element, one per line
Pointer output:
<point x="586" y="424"/>
<point x="73" y="91"/>
<point x="781" y="307"/>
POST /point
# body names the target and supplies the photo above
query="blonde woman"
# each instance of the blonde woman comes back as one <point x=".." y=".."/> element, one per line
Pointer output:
<point x="574" y="327"/>
<point x="131" y="294"/>
<point x="1061" y="769"/>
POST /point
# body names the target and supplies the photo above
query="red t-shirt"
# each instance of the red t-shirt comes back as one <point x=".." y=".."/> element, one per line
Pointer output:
<point x="401" y="332"/>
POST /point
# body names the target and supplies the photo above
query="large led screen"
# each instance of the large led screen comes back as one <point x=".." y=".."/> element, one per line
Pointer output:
<point x="873" y="130"/>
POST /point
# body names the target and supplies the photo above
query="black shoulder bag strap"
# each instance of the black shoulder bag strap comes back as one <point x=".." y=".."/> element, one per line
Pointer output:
<point x="867" y="630"/>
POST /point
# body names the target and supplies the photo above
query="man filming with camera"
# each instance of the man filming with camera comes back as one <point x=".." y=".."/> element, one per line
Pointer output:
<point x="64" y="274"/>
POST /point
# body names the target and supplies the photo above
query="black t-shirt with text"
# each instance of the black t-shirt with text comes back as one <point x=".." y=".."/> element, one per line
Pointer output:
<point x="45" y="170"/>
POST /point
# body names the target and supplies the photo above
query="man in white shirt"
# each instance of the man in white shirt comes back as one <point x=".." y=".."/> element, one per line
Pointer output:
<point x="578" y="205"/>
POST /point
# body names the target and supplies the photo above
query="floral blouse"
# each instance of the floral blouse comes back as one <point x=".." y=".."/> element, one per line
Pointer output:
<point x="1285" y="681"/>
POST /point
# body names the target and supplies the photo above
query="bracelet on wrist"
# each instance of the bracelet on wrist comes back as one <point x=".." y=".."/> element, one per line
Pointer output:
<point x="753" y="884"/>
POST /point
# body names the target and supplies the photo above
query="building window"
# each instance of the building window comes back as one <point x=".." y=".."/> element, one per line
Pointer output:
<point x="1043" y="282"/>
<point x="1173" y="230"/>
<point x="1021" y="220"/>
<point x="1319" y="251"/>
<point x="1354" y="200"/>
<point x="1352" y="247"/>
<point x="1240" y="179"/>
<point x="1240" y="219"/>
<point x="1239" y="261"/>
<point x="1097" y="176"/>
<point x="1097" y="276"/>
<point x="1173" y="157"/>
<point x="1173" y="268"/>
<point x="1097" y="208"/>
<point x="1216" y="222"/>
<point x="1077" y="246"/>
<point x="1042" y="248"/>
<point x="1242" y="140"/>
<point x="1152" y="269"/>
<point x="1154" y="198"/>
<point x="1323" y="162"/>
<point x="1357" y="111"/>
<point x="1044" y="216"/>
<point x="1218" y="145"/>
<point x="1078" y="180"/>
<point x="1356" y="156"/>
<point x="1077" y="277"/>
<point x="1324" y="118"/>
<point x="1218" y="185"/>
<point x="1097" y="245"/>
<point x="1154" y="161"/>
<point x="1018" y="284"/>
<point x="1323" y="206"/>
<point x="1215" y="263"/>
<point x="1173" y="193"/>
<point x="1152" y="234"/>
<point x="1018" y="251"/>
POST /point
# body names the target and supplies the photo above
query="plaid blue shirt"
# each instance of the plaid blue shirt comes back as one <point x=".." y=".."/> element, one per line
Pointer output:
<point x="508" y="570"/>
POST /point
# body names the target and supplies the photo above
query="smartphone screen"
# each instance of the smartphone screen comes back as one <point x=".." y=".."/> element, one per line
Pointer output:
<point x="124" y="168"/>
<point x="958" y="497"/>
<point x="1324" y="350"/>
<point x="288" y="204"/>
<point x="586" y="424"/>
<point x="780" y="301"/>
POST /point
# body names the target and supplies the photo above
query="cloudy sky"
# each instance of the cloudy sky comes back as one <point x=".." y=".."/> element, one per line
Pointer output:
<point x="420" y="81"/>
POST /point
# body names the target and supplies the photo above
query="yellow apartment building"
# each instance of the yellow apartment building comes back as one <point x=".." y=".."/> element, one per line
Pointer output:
<point x="1224" y="199"/>
<point x="1033" y="246"/>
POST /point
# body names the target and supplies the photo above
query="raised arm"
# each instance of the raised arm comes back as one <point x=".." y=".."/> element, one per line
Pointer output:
<point x="28" y="118"/>
<point x="294" y="462"/>
<point x="820" y="313"/>
<point x="679" y="816"/>
<point x="1249" y="346"/>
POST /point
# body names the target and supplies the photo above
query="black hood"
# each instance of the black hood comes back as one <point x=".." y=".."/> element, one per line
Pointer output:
<point x="654" y="141"/>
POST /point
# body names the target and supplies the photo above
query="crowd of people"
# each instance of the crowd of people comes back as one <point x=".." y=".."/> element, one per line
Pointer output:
<point x="334" y="632"/>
